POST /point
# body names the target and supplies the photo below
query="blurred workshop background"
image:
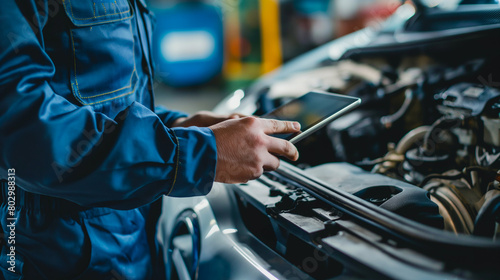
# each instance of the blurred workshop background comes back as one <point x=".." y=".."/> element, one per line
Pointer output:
<point x="206" y="49"/>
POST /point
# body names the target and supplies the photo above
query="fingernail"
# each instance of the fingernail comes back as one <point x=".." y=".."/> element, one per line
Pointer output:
<point x="296" y="125"/>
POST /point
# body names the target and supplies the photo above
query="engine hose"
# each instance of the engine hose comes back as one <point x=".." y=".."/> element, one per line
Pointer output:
<point x="412" y="137"/>
<point x="486" y="218"/>
<point x="387" y="121"/>
<point x="440" y="176"/>
<point x="491" y="174"/>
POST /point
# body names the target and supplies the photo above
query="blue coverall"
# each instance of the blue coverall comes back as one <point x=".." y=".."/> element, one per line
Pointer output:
<point x="91" y="153"/>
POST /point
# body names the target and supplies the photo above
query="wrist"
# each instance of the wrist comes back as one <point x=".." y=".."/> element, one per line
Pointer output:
<point x="178" y="121"/>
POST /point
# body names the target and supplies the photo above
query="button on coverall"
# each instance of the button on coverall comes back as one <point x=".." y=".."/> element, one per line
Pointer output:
<point x="91" y="153"/>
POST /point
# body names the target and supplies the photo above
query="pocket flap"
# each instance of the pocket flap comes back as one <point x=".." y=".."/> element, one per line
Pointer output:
<point x="92" y="12"/>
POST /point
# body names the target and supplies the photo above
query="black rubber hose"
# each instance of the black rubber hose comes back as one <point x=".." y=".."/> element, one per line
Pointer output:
<point x="389" y="120"/>
<point x="440" y="176"/>
<point x="486" y="218"/>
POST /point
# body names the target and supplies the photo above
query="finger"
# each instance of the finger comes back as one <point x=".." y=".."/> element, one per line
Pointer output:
<point x="276" y="127"/>
<point x="283" y="148"/>
<point x="271" y="163"/>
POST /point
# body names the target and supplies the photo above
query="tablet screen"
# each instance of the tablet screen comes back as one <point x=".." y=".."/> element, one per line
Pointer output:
<point x="311" y="109"/>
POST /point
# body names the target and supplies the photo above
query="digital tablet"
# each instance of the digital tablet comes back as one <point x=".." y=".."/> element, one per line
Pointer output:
<point x="312" y="110"/>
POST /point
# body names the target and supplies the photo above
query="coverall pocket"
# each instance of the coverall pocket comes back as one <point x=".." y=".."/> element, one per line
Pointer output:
<point x="119" y="247"/>
<point x="103" y="50"/>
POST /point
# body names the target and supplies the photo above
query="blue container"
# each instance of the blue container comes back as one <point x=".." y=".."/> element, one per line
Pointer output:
<point x="310" y="7"/>
<point x="188" y="43"/>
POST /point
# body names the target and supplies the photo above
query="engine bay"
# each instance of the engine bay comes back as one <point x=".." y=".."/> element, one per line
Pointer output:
<point x="424" y="123"/>
<point x="424" y="144"/>
<point x="429" y="121"/>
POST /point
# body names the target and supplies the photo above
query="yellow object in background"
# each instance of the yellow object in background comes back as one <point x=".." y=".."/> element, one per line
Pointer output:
<point x="253" y="40"/>
<point x="271" y="37"/>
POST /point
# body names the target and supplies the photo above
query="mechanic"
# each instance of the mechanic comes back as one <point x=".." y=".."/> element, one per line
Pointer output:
<point x="90" y="155"/>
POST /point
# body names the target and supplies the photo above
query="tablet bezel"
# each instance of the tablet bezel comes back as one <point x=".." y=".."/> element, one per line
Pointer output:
<point x="355" y="102"/>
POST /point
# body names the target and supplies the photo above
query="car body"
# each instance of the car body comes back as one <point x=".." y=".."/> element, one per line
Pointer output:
<point x="404" y="187"/>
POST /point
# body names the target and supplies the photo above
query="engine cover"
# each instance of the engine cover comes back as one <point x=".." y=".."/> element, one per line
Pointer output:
<point x="396" y="196"/>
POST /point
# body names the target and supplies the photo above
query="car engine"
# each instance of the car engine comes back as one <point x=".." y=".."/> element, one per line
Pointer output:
<point x="424" y="123"/>
<point x="424" y="144"/>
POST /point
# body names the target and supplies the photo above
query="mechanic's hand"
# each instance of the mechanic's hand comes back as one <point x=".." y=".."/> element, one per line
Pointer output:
<point x="245" y="150"/>
<point x="204" y="119"/>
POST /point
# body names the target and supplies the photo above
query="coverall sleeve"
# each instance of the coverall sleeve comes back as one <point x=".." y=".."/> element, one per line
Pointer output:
<point x="75" y="153"/>
<point x="168" y="116"/>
